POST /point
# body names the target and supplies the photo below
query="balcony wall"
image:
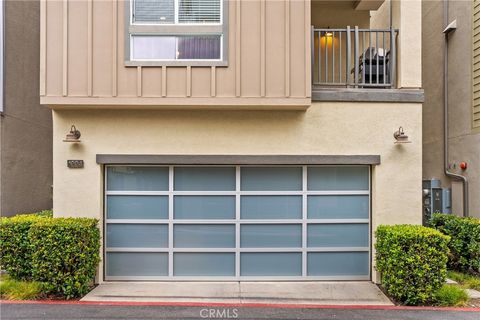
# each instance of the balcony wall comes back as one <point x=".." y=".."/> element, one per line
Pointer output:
<point x="82" y="59"/>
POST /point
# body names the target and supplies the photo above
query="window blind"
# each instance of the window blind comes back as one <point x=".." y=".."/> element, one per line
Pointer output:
<point x="199" y="11"/>
<point x="154" y="11"/>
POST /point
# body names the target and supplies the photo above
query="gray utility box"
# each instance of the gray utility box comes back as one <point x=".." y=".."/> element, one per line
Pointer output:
<point x="435" y="199"/>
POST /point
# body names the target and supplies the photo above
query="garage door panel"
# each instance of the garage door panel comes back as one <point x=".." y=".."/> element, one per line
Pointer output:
<point x="125" y="264"/>
<point x="332" y="264"/>
<point x="204" y="264"/>
<point x="271" y="178"/>
<point x="338" y="207"/>
<point x="338" y="178"/>
<point x="137" y="236"/>
<point x="204" y="236"/>
<point x="137" y="207"/>
<point x="338" y="235"/>
<point x="271" y="207"/>
<point x="237" y="222"/>
<point x="271" y="236"/>
<point x="204" y="207"/>
<point x="204" y="179"/>
<point x="133" y="178"/>
<point x="271" y="264"/>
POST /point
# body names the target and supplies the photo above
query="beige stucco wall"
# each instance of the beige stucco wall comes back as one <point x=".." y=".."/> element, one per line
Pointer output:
<point x="464" y="142"/>
<point x="325" y="128"/>
<point x="26" y="126"/>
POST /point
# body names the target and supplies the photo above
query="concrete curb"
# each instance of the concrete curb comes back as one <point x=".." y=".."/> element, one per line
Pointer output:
<point x="237" y="305"/>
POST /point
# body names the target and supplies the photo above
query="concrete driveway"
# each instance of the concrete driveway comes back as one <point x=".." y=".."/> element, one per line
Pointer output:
<point x="326" y="293"/>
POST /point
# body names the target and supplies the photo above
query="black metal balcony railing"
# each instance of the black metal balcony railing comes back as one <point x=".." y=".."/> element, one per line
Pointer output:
<point x="354" y="58"/>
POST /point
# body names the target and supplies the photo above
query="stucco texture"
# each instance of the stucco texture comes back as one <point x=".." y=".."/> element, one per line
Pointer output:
<point x="324" y="129"/>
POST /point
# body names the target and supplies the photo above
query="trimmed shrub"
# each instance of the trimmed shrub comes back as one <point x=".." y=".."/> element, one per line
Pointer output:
<point x="15" y="247"/>
<point x="66" y="254"/>
<point x="465" y="240"/>
<point x="412" y="261"/>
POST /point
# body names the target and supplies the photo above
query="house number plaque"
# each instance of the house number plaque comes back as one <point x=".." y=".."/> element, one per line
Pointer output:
<point x="75" y="164"/>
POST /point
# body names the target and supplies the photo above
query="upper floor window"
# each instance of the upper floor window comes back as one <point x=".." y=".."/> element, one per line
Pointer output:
<point x="177" y="32"/>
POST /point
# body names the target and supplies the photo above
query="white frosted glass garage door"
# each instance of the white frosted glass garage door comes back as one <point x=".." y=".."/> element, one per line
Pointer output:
<point x="237" y="222"/>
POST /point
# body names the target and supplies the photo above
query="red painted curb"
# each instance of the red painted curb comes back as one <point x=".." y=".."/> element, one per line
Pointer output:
<point x="237" y="305"/>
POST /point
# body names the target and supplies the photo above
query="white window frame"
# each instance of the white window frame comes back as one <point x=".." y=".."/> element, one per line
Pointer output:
<point x="304" y="221"/>
<point x="176" y="29"/>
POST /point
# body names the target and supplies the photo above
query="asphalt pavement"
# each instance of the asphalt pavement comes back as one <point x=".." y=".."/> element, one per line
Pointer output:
<point x="85" y="311"/>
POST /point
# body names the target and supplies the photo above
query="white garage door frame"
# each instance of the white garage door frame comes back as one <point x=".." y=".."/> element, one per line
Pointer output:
<point x="304" y="221"/>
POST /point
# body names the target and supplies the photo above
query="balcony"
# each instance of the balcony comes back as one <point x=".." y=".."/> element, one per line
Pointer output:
<point x="354" y="58"/>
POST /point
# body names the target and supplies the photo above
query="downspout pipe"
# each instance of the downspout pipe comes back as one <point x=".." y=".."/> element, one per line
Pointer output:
<point x="448" y="29"/>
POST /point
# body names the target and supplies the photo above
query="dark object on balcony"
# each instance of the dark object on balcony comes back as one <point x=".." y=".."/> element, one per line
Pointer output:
<point x="374" y="67"/>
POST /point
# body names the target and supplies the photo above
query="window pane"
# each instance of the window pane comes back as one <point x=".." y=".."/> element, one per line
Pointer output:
<point x="137" y="236"/>
<point x="271" y="264"/>
<point x="271" y="236"/>
<point x="338" y="235"/>
<point x="151" y="47"/>
<point x="199" y="47"/>
<point x="137" y="207"/>
<point x="156" y="11"/>
<point x="204" y="178"/>
<point x="271" y="207"/>
<point x="137" y="178"/>
<point x="338" y="264"/>
<point x="204" y="207"/>
<point x="154" y="47"/>
<point x="338" y="178"/>
<point x="204" y="236"/>
<point x="137" y="264"/>
<point x="338" y="207"/>
<point x="271" y="179"/>
<point x="204" y="264"/>
<point x="199" y="11"/>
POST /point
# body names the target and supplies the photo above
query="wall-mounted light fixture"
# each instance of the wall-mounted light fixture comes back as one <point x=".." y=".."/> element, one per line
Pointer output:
<point x="73" y="135"/>
<point x="328" y="34"/>
<point x="400" y="136"/>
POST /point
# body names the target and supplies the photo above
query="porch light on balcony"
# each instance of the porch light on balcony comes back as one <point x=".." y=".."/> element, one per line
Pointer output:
<point x="400" y="136"/>
<point x="73" y="135"/>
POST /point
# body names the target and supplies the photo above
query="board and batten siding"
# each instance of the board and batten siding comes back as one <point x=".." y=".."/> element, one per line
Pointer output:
<point x="476" y="65"/>
<point x="82" y="59"/>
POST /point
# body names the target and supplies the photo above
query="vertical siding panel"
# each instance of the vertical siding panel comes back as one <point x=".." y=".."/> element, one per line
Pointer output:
<point x="43" y="47"/>
<point x="275" y="49"/>
<point x="103" y="48"/>
<point x="189" y="81"/>
<point x="164" y="81"/>
<point x="176" y="82"/>
<point x="54" y="49"/>
<point x="139" y="81"/>
<point x="77" y="48"/>
<point x="287" y="48"/>
<point x="225" y="78"/>
<point x="262" y="47"/>
<point x="250" y="49"/>
<point x="65" y="48"/>
<point x="201" y="82"/>
<point x="151" y="82"/>
<point x="114" y="47"/>
<point x="213" y="82"/>
<point x="127" y="77"/>
<point x="238" y="30"/>
<point x="90" y="49"/>
<point x="307" y="66"/>
<point x="297" y="50"/>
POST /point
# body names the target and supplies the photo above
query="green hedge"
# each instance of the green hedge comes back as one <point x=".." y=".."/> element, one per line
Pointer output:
<point x="15" y="246"/>
<point x="465" y="240"/>
<point x="62" y="253"/>
<point x="412" y="262"/>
